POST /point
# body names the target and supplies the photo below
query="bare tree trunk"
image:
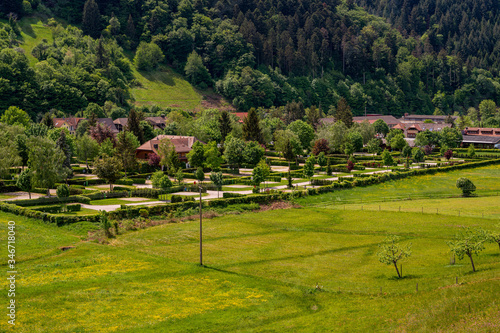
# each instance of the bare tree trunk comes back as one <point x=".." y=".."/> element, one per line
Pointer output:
<point x="472" y="262"/>
<point x="29" y="193"/>
<point x="397" y="270"/>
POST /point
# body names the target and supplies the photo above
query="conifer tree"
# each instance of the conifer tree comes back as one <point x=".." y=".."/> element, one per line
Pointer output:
<point x="125" y="150"/>
<point x="130" y="29"/>
<point x="251" y="127"/>
<point x="91" y="23"/>
<point x="225" y="125"/>
<point x="62" y="143"/>
<point x="344" y="112"/>
<point x="134" y="125"/>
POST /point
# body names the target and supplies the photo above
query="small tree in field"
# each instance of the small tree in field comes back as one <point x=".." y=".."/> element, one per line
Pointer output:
<point x="493" y="237"/>
<point x="387" y="158"/>
<point x="466" y="186"/>
<point x="448" y="154"/>
<point x="179" y="176"/>
<point x="62" y="191"/>
<point x="350" y="165"/>
<point x="199" y="174"/>
<point x="24" y="182"/>
<point x="391" y="252"/>
<point x="471" y="152"/>
<point x="309" y="167"/>
<point x="217" y="179"/>
<point x="322" y="160"/>
<point x="468" y="243"/>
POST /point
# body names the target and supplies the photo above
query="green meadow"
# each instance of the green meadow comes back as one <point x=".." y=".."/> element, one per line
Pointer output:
<point x="305" y="269"/>
<point x="440" y="185"/>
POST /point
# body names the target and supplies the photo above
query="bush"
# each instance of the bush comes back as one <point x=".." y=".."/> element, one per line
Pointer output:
<point x="227" y="195"/>
<point x="466" y="186"/>
<point x="62" y="191"/>
<point x="125" y="181"/>
<point x="181" y="198"/>
<point x="144" y="213"/>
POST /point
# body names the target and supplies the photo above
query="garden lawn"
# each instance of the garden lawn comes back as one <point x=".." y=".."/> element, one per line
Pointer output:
<point x="442" y="184"/>
<point x="301" y="270"/>
<point x="113" y="201"/>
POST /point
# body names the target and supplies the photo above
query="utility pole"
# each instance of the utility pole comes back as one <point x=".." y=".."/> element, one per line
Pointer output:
<point x="201" y="235"/>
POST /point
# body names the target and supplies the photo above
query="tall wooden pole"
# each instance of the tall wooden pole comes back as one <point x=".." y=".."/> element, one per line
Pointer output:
<point x="201" y="235"/>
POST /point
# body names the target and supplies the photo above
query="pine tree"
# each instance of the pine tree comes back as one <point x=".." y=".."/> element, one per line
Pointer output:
<point x="130" y="30"/>
<point x="101" y="57"/>
<point x="62" y="144"/>
<point x="251" y="127"/>
<point x="225" y="125"/>
<point x="125" y="151"/>
<point x="134" y="125"/>
<point x="91" y="23"/>
<point x="344" y="112"/>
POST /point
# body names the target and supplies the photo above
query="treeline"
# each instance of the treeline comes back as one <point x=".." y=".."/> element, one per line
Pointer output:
<point x="263" y="54"/>
<point x="468" y="28"/>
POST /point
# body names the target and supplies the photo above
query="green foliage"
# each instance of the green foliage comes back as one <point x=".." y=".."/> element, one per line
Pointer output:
<point x="322" y="161"/>
<point x="233" y="151"/>
<point x="466" y="185"/>
<point x="196" y="156"/>
<point x="24" y="181"/>
<point x="398" y="142"/>
<point x="62" y="191"/>
<point x="258" y="176"/>
<point x="471" y="151"/>
<point x="252" y="153"/>
<point x="213" y="160"/>
<point x="125" y="150"/>
<point x="148" y="56"/>
<point x="373" y="146"/>
<point x="105" y="223"/>
<point x="199" y="174"/>
<point x="15" y="116"/>
<point x="304" y="132"/>
<point x="381" y="127"/>
<point x="418" y="154"/>
<point x="355" y="139"/>
<point x="344" y="113"/>
<point x="161" y="181"/>
<point x="108" y="168"/>
<point x="469" y="242"/>
<point x="391" y="252"/>
<point x="251" y="127"/>
<point x="179" y="176"/>
<point x="309" y="167"/>
<point x="387" y="158"/>
<point x="86" y="148"/>
<point x="46" y="162"/>
<point x="196" y="71"/>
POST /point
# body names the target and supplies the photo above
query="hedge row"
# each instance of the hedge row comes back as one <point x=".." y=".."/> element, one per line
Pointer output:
<point x="181" y="198"/>
<point x="55" y="209"/>
<point x="227" y="195"/>
<point x="51" y="200"/>
<point x="46" y="217"/>
<point x="9" y="188"/>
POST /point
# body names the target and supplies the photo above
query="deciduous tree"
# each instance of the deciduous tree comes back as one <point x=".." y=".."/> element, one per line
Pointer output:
<point x="469" y="242"/>
<point x="391" y="252"/>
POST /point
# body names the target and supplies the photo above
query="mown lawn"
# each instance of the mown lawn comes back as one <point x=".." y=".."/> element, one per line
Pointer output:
<point x="33" y="31"/>
<point x="261" y="274"/>
<point x="113" y="201"/>
<point x="440" y="185"/>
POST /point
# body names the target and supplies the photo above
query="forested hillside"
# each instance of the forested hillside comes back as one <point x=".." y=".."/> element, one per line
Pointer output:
<point x="260" y="53"/>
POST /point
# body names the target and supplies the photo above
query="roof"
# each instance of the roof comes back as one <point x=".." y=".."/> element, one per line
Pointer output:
<point x="481" y="139"/>
<point x="482" y="131"/>
<point x="121" y="121"/>
<point x="241" y="115"/>
<point x="421" y="126"/>
<point x="182" y="144"/>
<point x="108" y="122"/>
<point x="427" y="116"/>
<point x="388" y="119"/>
<point x="72" y="121"/>
<point x="156" y="120"/>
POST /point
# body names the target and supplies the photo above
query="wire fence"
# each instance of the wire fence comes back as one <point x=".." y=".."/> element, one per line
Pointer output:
<point x="390" y="203"/>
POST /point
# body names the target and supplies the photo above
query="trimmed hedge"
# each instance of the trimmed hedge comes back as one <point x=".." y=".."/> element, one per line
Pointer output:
<point x="55" y="209"/>
<point x="125" y="181"/>
<point x="51" y="200"/>
<point x="181" y="198"/>
<point x="9" y="188"/>
<point x="227" y="195"/>
<point x="46" y="217"/>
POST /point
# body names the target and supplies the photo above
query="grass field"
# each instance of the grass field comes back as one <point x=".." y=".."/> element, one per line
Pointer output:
<point x="261" y="274"/>
<point x="33" y="31"/>
<point x="439" y="185"/>
<point x="164" y="88"/>
<point x="104" y="202"/>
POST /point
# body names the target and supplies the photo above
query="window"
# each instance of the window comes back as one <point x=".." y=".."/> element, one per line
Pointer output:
<point x="155" y="146"/>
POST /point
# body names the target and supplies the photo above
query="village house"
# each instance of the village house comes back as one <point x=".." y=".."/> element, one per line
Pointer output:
<point x="182" y="144"/>
<point x="70" y="124"/>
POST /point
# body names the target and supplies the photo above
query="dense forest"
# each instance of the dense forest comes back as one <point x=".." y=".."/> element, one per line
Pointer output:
<point x="259" y="53"/>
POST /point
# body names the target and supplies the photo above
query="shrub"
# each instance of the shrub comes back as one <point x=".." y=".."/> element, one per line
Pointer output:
<point x="62" y="191"/>
<point x="466" y="186"/>
<point x="144" y="213"/>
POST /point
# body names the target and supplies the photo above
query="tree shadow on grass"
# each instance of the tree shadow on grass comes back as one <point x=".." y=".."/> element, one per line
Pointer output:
<point x="163" y="76"/>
